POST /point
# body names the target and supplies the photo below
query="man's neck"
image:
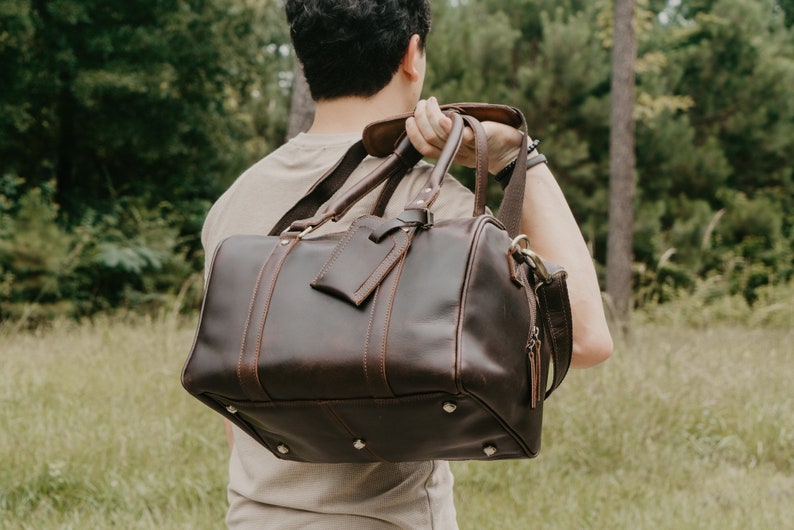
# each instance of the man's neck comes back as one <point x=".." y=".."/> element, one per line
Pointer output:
<point x="352" y="114"/>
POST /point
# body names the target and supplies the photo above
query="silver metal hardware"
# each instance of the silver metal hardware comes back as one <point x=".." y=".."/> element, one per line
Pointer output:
<point x="427" y="190"/>
<point x="515" y="245"/>
<point x="282" y="448"/>
<point x="449" y="406"/>
<point x="306" y="232"/>
<point x="533" y="340"/>
<point x="420" y="202"/>
<point x="359" y="444"/>
<point x="232" y="409"/>
<point x="285" y="242"/>
<point x="522" y="251"/>
<point x="489" y="450"/>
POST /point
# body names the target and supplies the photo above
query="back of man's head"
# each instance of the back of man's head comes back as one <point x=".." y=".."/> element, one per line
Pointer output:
<point x="353" y="47"/>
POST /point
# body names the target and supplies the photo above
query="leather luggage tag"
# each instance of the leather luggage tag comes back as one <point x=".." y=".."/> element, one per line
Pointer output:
<point x="358" y="264"/>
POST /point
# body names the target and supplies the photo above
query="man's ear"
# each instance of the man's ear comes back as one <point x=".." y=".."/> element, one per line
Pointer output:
<point x="412" y="60"/>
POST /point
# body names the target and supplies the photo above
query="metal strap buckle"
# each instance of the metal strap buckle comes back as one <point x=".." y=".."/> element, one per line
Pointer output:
<point x="519" y="249"/>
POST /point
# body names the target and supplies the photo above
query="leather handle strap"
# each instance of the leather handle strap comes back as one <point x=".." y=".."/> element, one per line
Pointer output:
<point x="381" y="136"/>
<point x="429" y="192"/>
<point x="481" y="168"/>
<point x="481" y="154"/>
<point x="378" y="135"/>
<point x="379" y="210"/>
<point x="432" y="187"/>
<point x="403" y="158"/>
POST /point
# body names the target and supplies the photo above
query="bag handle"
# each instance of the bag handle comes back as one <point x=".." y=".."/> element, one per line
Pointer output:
<point x="481" y="154"/>
<point x="379" y="139"/>
<point x="403" y="157"/>
<point x="387" y="170"/>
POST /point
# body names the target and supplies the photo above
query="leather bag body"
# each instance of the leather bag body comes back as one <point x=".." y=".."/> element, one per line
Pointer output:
<point x="396" y="340"/>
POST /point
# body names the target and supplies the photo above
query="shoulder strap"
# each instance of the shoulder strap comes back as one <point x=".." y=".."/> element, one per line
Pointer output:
<point x="555" y="309"/>
<point x="324" y="188"/>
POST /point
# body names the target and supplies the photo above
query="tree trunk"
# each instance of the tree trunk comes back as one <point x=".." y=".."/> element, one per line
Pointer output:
<point x="621" y="165"/>
<point x="301" y="111"/>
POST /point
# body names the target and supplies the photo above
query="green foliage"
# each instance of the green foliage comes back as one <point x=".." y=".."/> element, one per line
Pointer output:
<point x="144" y="99"/>
<point x="715" y="126"/>
<point x="121" y="122"/>
<point x="130" y="257"/>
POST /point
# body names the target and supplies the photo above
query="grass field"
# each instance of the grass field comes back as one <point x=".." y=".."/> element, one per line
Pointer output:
<point x="681" y="429"/>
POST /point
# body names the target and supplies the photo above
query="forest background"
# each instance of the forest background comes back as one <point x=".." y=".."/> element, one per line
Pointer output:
<point x="121" y="122"/>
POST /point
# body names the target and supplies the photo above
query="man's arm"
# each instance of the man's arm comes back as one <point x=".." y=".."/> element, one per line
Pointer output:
<point x="546" y="218"/>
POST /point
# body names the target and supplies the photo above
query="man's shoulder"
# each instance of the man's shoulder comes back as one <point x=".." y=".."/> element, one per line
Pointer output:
<point x="265" y="190"/>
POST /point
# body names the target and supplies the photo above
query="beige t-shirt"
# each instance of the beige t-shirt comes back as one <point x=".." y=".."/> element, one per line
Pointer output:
<point x="268" y="493"/>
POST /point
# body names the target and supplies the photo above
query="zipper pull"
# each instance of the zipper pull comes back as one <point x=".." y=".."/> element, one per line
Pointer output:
<point x="533" y="353"/>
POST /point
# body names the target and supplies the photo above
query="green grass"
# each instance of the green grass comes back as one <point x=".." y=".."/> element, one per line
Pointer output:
<point x="96" y="432"/>
<point x="681" y="429"/>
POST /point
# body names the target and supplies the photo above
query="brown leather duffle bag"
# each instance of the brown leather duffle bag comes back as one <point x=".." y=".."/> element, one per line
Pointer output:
<point x="397" y="340"/>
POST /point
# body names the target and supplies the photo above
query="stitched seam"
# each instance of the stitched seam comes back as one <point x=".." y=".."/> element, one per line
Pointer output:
<point x="393" y="256"/>
<point x="552" y="337"/>
<point x="386" y="324"/>
<point x="369" y="335"/>
<point x="337" y="252"/>
<point x="331" y="412"/>
<point x="248" y="323"/>
<point x="568" y="325"/>
<point x="462" y="305"/>
<point x="271" y="288"/>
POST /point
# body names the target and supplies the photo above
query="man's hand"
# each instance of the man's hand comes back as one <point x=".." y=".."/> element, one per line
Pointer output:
<point x="429" y="128"/>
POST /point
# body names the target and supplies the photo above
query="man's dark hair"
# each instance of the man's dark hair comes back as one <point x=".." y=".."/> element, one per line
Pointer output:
<point x="354" y="47"/>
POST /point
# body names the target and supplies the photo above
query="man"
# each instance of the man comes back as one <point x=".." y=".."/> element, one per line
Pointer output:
<point x="364" y="60"/>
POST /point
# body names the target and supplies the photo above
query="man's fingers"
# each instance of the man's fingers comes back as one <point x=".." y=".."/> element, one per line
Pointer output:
<point x="425" y="127"/>
<point x="440" y="123"/>
<point x="418" y="140"/>
<point x="429" y="129"/>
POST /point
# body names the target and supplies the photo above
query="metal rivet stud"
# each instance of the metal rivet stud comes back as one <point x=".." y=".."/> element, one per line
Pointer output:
<point x="282" y="448"/>
<point x="449" y="406"/>
<point x="284" y="242"/>
<point x="427" y="190"/>
<point x="232" y="409"/>
<point x="420" y="202"/>
<point x="489" y="450"/>
<point x="359" y="444"/>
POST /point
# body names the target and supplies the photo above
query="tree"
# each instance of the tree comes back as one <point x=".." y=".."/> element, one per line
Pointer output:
<point x="621" y="163"/>
<point x="119" y="124"/>
<point x="147" y="98"/>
